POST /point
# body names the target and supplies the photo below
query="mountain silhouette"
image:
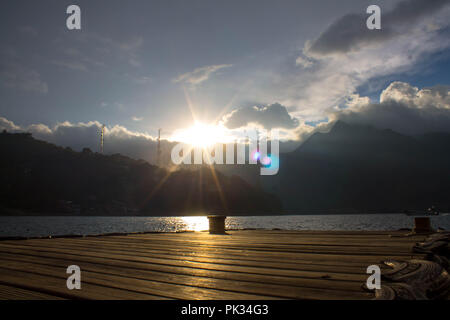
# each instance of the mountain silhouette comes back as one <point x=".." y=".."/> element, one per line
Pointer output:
<point x="351" y="168"/>
<point x="39" y="177"/>
<point x="355" y="168"/>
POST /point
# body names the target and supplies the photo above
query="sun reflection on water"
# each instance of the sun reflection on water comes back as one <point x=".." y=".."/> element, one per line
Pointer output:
<point x="196" y="223"/>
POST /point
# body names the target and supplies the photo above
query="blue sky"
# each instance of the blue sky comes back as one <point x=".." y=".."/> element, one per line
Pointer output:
<point x="144" y="65"/>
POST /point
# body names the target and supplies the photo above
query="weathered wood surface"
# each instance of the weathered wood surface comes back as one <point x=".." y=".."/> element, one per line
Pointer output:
<point x="248" y="264"/>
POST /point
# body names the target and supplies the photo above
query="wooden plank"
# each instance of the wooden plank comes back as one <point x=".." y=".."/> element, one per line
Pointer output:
<point x="343" y="252"/>
<point x="52" y="285"/>
<point x="145" y="244"/>
<point x="134" y="285"/>
<point x="253" y="264"/>
<point x="240" y="261"/>
<point x="379" y="250"/>
<point x="278" y="240"/>
<point x="315" y="257"/>
<point x="212" y="266"/>
<point x="14" y="293"/>
<point x="275" y="278"/>
<point x="266" y="237"/>
<point x="243" y="288"/>
<point x="293" y="236"/>
<point x="178" y="275"/>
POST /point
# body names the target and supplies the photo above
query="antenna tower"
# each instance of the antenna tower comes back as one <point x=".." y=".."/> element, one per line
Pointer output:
<point x="101" y="138"/>
<point x="158" y="160"/>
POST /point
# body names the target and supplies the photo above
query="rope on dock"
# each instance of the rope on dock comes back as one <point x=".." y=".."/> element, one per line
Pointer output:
<point x="419" y="279"/>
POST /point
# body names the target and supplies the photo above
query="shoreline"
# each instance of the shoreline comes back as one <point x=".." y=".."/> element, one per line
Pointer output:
<point x="45" y="227"/>
<point x="272" y="214"/>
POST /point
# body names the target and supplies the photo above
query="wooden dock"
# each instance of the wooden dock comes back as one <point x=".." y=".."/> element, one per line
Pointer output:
<point x="247" y="264"/>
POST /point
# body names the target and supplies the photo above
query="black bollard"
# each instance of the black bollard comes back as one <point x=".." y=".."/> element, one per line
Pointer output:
<point x="422" y="225"/>
<point x="217" y="224"/>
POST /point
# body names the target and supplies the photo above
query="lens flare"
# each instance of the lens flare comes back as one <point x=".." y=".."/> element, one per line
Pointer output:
<point x="266" y="161"/>
<point x="274" y="162"/>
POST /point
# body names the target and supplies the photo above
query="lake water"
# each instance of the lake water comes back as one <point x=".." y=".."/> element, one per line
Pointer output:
<point x="45" y="226"/>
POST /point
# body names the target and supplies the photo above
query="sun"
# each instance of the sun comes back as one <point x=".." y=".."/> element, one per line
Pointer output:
<point x="201" y="135"/>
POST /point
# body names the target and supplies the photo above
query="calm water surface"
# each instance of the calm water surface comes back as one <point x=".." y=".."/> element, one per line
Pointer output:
<point x="44" y="226"/>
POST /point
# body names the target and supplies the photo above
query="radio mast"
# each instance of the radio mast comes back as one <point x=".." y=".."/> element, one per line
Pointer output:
<point x="101" y="138"/>
<point x="158" y="159"/>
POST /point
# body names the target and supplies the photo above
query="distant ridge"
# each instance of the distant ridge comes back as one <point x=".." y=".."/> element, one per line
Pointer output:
<point x="355" y="168"/>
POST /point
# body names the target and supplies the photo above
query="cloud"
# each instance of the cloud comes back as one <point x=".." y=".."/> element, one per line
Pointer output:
<point x="39" y="129"/>
<point x="8" y="125"/>
<point x="28" y="30"/>
<point x="117" y="139"/>
<point x="16" y="76"/>
<point x="102" y="55"/>
<point x="137" y="118"/>
<point x="304" y="61"/>
<point x="405" y="109"/>
<point x="129" y="46"/>
<point x="199" y="75"/>
<point x="270" y="116"/>
<point x="140" y="80"/>
<point x="335" y="75"/>
<point x="350" y="32"/>
<point x="99" y="52"/>
<point x="87" y="59"/>
<point x="8" y="52"/>
<point x="355" y="100"/>
<point x="73" y="65"/>
<point x="402" y="107"/>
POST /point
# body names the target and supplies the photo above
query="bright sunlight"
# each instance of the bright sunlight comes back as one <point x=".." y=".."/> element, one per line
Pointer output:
<point x="196" y="223"/>
<point x="202" y="135"/>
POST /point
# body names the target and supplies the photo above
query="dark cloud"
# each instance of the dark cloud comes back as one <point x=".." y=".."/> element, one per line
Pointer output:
<point x="16" y="76"/>
<point x="271" y="116"/>
<point x="350" y="31"/>
<point x="405" y="109"/>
